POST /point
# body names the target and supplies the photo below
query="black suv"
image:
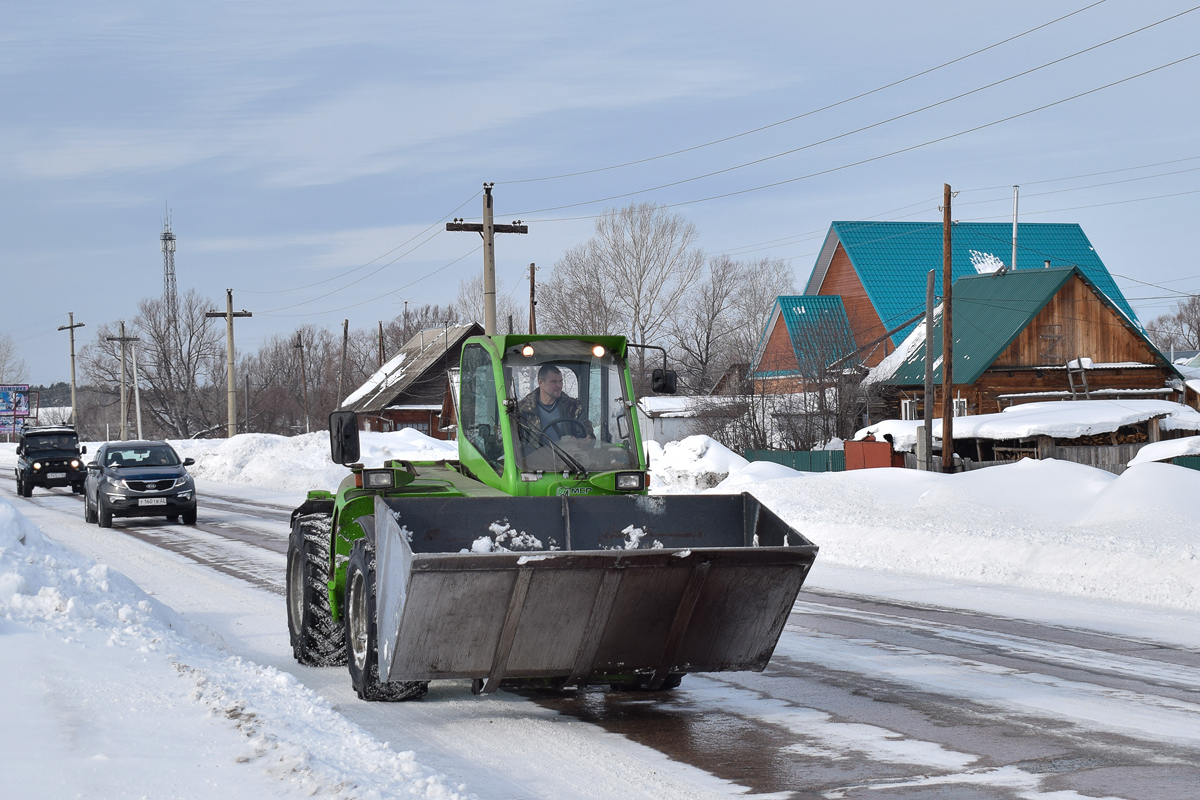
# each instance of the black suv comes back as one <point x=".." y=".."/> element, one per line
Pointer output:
<point x="138" y="479"/>
<point x="49" y="456"/>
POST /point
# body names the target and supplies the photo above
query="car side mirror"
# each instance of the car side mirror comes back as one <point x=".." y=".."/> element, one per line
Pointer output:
<point x="83" y="450"/>
<point x="187" y="462"/>
<point x="93" y="466"/>
<point x="343" y="437"/>
<point x="663" y="381"/>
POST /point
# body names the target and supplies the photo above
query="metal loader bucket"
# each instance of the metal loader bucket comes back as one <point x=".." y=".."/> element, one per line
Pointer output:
<point x="595" y="587"/>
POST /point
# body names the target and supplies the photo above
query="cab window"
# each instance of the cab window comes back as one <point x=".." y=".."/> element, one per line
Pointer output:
<point x="479" y="411"/>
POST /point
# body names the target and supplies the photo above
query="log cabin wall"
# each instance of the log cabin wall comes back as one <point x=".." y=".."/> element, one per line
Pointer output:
<point x="778" y="355"/>
<point x="1076" y="323"/>
<point x="865" y="324"/>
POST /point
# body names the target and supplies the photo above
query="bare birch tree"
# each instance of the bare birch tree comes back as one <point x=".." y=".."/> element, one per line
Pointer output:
<point x="12" y="367"/>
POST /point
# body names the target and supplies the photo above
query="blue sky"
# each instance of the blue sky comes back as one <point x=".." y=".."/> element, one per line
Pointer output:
<point x="295" y="143"/>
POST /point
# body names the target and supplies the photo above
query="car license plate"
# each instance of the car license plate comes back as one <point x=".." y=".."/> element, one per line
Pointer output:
<point x="53" y="475"/>
<point x="152" y="501"/>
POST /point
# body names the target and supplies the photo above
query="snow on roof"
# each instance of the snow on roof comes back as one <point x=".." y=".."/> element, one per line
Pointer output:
<point x="908" y="351"/>
<point x="902" y="431"/>
<point x="1166" y="450"/>
<point x="383" y="377"/>
<point x="1071" y="419"/>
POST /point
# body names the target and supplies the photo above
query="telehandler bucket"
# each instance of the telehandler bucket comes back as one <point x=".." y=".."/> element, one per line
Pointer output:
<point x="583" y="589"/>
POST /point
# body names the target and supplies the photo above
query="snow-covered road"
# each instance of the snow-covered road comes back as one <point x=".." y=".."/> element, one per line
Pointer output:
<point x="866" y="696"/>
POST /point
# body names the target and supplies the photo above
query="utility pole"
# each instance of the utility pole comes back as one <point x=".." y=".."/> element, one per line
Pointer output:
<point x="532" y="299"/>
<point x="70" y="328"/>
<point x="137" y="391"/>
<point x="246" y="397"/>
<point x="299" y="345"/>
<point x="231" y="384"/>
<point x="947" y="338"/>
<point x="342" y="371"/>
<point x="928" y="411"/>
<point x="1016" y="196"/>
<point x="488" y="231"/>
<point x="123" y="340"/>
<point x="381" y="344"/>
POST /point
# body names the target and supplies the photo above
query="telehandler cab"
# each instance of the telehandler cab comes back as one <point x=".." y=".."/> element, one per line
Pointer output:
<point x="539" y="558"/>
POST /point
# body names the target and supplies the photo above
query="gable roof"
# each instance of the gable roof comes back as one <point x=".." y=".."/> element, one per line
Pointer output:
<point x="990" y="311"/>
<point x="417" y="366"/>
<point x="818" y="329"/>
<point x="892" y="259"/>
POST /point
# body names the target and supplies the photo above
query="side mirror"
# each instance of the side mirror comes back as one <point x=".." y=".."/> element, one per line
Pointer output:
<point x="187" y="462"/>
<point x="343" y="437"/>
<point x="83" y="450"/>
<point x="93" y="466"/>
<point x="662" y="381"/>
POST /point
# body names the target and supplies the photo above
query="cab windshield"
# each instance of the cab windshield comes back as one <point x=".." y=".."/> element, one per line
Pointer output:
<point x="572" y="412"/>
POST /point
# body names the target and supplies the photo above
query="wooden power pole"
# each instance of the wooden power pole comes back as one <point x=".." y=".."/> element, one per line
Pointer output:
<point x="488" y="230"/>
<point x="532" y="299"/>
<point x="299" y="345"/>
<point x="947" y="338"/>
<point x="70" y="328"/>
<point x="342" y="371"/>
<point x="927" y="465"/>
<point x="123" y="340"/>
<point x="230" y="383"/>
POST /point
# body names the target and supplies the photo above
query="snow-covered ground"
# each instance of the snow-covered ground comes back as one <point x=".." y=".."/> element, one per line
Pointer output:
<point x="103" y="684"/>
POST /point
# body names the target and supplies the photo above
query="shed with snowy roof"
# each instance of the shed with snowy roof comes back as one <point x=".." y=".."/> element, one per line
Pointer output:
<point x="409" y="389"/>
<point x="1031" y="335"/>
<point x="878" y="269"/>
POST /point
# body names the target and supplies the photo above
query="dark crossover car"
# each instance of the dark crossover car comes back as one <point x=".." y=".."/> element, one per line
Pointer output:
<point x="138" y="479"/>
<point x="49" y="456"/>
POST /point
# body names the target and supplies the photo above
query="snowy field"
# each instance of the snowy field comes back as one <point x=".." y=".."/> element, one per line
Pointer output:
<point x="104" y="684"/>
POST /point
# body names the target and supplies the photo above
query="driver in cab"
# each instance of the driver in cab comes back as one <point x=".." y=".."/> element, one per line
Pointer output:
<point x="550" y="414"/>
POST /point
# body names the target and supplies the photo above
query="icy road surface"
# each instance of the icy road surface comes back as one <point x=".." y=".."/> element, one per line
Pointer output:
<point x="866" y="697"/>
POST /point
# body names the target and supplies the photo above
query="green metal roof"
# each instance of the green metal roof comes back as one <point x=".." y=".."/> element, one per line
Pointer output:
<point x="990" y="311"/>
<point x="892" y="259"/>
<point x="819" y="331"/>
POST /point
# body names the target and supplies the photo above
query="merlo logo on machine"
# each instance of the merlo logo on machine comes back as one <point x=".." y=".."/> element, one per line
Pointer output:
<point x="564" y="491"/>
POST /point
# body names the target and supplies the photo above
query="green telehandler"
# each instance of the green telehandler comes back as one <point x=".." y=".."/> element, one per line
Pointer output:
<point x="539" y="558"/>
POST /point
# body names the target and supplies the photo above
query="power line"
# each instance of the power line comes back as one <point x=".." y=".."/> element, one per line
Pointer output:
<point x="882" y="156"/>
<point x="812" y="112"/>
<point x="871" y="126"/>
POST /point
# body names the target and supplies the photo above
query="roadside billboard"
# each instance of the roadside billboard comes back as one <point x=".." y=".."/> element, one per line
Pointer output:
<point x="14" y="406"/>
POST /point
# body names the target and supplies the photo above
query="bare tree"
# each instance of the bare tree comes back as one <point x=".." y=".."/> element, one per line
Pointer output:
<point x="181" y="365"/>
<point x="706" y="326"/>
<point x="12" y="367"/>
<point x="469" y="306"/>
<point x="760" y="282"/>
<point x="1179" y="329"/>
<point x="631" y="276"/>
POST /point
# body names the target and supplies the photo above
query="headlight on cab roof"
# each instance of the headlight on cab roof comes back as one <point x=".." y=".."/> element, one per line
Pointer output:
<point x="630" y="481"/>
<point x="378" y="478"/>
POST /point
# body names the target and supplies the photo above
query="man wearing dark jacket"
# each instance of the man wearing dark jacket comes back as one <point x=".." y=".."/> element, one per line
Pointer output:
<point x="550" y="413"/>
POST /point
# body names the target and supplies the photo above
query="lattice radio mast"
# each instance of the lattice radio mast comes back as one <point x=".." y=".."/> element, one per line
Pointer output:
<point x="170" y="295"/>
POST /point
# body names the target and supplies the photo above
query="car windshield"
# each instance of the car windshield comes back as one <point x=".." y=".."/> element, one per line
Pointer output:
<point x="155" y="455"/>
<point x="51" y="441"/>
<point x="571" y="409"/>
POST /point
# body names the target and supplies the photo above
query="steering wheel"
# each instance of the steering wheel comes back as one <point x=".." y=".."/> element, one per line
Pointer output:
<point x="573" y="424"/>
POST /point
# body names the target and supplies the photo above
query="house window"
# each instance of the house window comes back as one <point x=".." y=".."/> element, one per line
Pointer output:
<point x="423" y="427"/>
<point x="1050" y="344"/>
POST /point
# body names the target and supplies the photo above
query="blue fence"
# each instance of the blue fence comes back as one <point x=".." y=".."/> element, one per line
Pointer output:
<point x="1191" y="462"/>
<point x="802" y="460"/>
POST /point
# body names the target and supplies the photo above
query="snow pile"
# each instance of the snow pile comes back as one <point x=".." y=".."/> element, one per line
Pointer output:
<point x="902" y="431"/>
<point x="695" y="463"/>
<point x="300" y="463"/>
<point x="753" y="473"/>
<point x="157" y="690"/>
<point x="1167" y="449"/>
<point x="1041" y="525"/>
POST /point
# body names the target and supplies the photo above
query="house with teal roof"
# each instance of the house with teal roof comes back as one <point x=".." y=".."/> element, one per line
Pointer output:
<point x="878" y="269"/>
<point x="1030" y="335"/>
<point x="806" y="336"/>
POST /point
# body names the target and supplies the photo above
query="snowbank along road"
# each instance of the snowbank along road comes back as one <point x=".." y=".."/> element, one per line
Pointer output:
<point x="865" y="697"/>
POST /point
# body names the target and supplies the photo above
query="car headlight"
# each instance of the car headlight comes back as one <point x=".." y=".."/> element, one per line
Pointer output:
<point x="37" y="465"/>
<point x="75" y="463"/>
<point x="116" y="497"/>
<point x="184" y="496"/>
<point x="629" y="481"/>
<point x="180" y="482"/>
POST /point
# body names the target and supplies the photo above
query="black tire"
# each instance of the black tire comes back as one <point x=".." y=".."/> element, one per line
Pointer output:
<point x="76" y="488"/>
<point x="672" y="681"/>
<point x="89" y="511"/>
<point x="362" y="633"/>
<point x="104" y="515"/>
<point x="26" y="489"/>
<point x="317" y="639"/>
<point x="189" y="517"/>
